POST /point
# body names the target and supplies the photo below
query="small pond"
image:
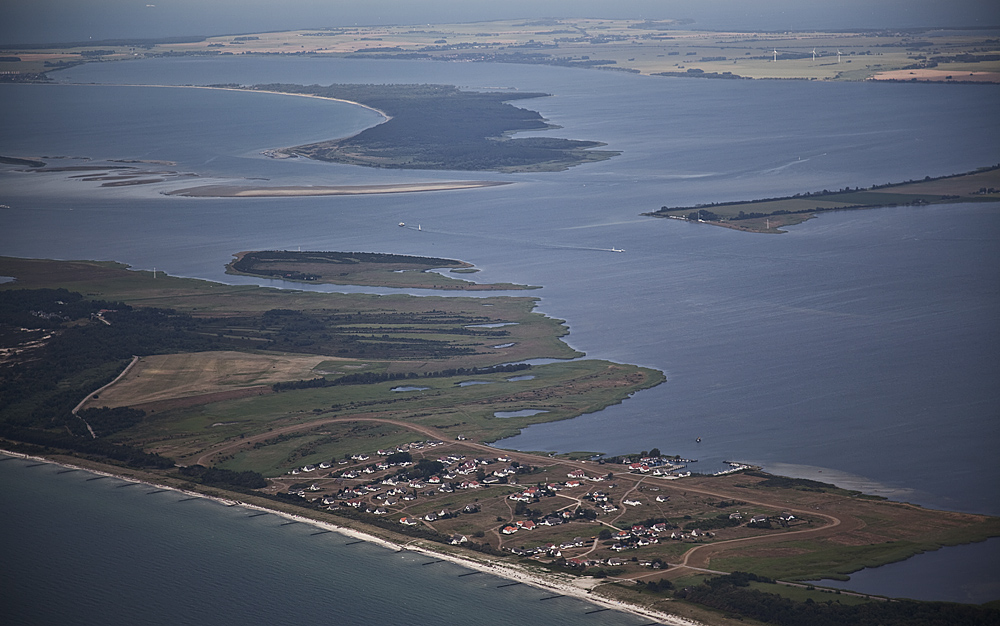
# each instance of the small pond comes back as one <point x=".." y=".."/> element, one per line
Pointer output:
<point x="521" y="413"/>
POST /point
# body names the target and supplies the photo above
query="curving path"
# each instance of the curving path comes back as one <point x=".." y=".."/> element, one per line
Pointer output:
<point x="697" y="557"/>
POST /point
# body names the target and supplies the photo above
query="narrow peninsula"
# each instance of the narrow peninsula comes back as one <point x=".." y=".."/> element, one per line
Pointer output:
<point x="770" y="214"/>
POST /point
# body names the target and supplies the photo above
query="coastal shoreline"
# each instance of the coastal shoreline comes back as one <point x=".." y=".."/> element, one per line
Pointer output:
<point x="502" y="570"/>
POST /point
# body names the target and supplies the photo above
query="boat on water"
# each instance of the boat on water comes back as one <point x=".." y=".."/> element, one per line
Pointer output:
<point x="613" y="249"/>
<point x="402" y="224"/>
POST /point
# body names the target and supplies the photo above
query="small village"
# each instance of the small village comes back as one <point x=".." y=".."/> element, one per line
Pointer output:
<point x="627" y="513"/>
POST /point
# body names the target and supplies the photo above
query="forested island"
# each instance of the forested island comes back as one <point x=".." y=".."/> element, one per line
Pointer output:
<point x="440" y="127"/>
<point x="360" y="268"/>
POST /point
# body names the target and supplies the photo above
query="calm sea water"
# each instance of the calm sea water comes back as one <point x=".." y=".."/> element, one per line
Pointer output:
<point x="860" y="346"/>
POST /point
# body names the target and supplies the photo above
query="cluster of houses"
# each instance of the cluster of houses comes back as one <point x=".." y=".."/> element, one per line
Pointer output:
<point x="636" y="537"/>
<point x="410" y="520"/>
<point x="407" y="447"/>
<point x="551" y="549"/>
<point x="550" y="520"/>
<point x="602" y="500"/>
<point x="612" y="562"/>
<point x="656" y="466"/>
<point x="361" y="458"/>
<point x="580" y="475"/>
<point x="387" y="490"/>
<point x="392" y="489"/>
<point x="668" y="469"/>
<point x="538" y="491"/>
<point x="733" y="468"/>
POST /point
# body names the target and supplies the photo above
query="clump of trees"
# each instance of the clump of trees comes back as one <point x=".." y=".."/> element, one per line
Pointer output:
<point x="217" y="477"/>
<point x="105" y="421"/>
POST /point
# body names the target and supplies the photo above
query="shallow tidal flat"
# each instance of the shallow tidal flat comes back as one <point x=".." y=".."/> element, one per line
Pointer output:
<point x="229" y="191"/>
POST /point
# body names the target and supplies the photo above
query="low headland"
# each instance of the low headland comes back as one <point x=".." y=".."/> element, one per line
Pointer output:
<point x="769" y="215"/>
<point x="375" y="414"/>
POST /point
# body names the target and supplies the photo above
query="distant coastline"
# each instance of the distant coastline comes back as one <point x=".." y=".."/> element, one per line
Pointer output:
<point x="667" y="47"/>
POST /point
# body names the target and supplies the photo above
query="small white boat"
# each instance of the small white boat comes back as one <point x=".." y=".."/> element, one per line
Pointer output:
<point x="401" y="224"/>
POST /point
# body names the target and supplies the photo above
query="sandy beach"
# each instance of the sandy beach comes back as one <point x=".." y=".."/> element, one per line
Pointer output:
<point x="229" y="191"/>
<point x="577" y="588"/>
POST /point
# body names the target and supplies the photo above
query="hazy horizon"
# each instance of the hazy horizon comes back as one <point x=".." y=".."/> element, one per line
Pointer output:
<point x="61" y="21"/>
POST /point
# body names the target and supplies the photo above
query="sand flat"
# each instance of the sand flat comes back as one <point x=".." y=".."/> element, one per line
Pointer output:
<point x="229" y="191"/>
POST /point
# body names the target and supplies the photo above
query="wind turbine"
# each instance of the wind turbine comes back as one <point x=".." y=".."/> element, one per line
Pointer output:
<point x="775" y="55"/>
<point x="814" y="54"/>
<point x="838" y="56"/>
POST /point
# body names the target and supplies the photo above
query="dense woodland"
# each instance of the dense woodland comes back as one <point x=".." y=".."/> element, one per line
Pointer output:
<point x="442" y="127"/>
<point x="247" y="262"/>
<point x="257" y="262"/>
